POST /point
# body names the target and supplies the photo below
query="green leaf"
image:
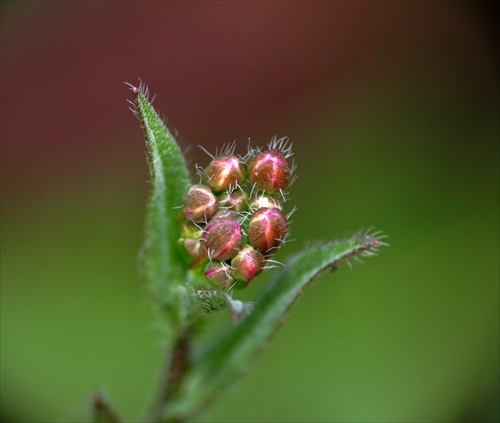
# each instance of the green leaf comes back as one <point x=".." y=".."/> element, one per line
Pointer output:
<point x="165" y="269"/>
<point x="222" y="360"/>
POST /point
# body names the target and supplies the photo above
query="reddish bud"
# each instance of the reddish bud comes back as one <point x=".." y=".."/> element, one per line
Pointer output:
<point x="267" y="228"/>
<point x="195" y="248"/>
<point x="223" y="239"/>
<point x="247" y="264"/>
<point x="199" y="203"/>
<point x="269" y="170"/>
<point x="236" y="201"/>
<point x="225" y="215"/>
<point x="224" y="172"/>
<point x="219" y="274"/>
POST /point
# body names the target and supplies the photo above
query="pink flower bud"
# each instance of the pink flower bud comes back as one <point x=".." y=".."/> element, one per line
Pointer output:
<point x="223" y="239"/>
<point x="246" y="264"/>
<point x="199" y="203"/>
<point x="269" y="170"/>
<point x="236" y="201"/>
<point x="219" y="274"/>
<point x="267" y="228"/>
<point x="224" y="172"/>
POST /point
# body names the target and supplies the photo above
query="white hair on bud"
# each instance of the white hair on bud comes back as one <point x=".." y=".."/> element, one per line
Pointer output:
<point x="207" y="152"/>
<point x="284" y="145"/>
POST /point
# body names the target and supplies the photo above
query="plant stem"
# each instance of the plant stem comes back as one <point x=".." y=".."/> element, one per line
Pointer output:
<point x="177" y="360"/>
<point x="102" y="411"/>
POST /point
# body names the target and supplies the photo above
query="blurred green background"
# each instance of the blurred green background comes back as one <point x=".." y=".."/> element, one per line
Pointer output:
<point x="393" y="108"/>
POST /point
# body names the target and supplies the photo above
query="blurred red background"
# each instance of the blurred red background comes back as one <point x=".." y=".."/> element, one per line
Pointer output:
<point x="226" y="70"/>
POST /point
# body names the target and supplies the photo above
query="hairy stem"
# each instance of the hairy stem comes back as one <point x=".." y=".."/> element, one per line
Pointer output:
<point x="175" y="367"/>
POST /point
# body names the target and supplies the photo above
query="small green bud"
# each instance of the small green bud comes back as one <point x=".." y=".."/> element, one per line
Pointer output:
<point x="269" y="170"/>
<point x="199" y="203"/>
<point x="191" y="230"/>
<point x="223" y="239"/>
<point x="224" y="173"/>
<point x="190" y="241"/>
<point x="267" y="229"/>
<point x="218" y="273"/>
<point x="246" y="264"/>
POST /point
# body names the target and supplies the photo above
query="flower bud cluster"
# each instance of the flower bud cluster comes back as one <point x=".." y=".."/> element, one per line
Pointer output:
<point x="233" y="222"/>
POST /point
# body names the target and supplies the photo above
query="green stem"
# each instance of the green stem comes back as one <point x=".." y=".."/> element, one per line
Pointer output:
<point x="177" y="361"/>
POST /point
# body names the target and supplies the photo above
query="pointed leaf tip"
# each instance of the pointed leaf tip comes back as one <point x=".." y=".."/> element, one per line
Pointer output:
<point x="135" y="90"/>
<point x="165" y="268"/>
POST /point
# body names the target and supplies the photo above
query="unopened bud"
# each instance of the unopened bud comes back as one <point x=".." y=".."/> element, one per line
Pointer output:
<point x="269" y="170"/>
<point x="199" y="203"/>
<point x="225" y="214"/>
<point x="195" y="248"/>
<point x="246" y="264"/>
<point x="190" y="241"/>
<point x="224" y="172"/>
<point x="189" y="229"/>
<point x="267" y="228"/>
<point x="218" y="273"/>
<point x="264" y="201"/>
<point x="236" y="201"/>
<point x="223" y="239"/>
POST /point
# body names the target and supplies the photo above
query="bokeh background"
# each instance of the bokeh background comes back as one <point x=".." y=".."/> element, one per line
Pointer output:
<point x="393" y="108"/>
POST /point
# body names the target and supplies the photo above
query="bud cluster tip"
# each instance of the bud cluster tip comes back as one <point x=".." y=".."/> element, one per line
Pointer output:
<point x="233" y="222"/>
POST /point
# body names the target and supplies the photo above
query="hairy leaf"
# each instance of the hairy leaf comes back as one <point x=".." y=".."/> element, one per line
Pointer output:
<point x="222" y="360"/>
<point x="165" y="269"/>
